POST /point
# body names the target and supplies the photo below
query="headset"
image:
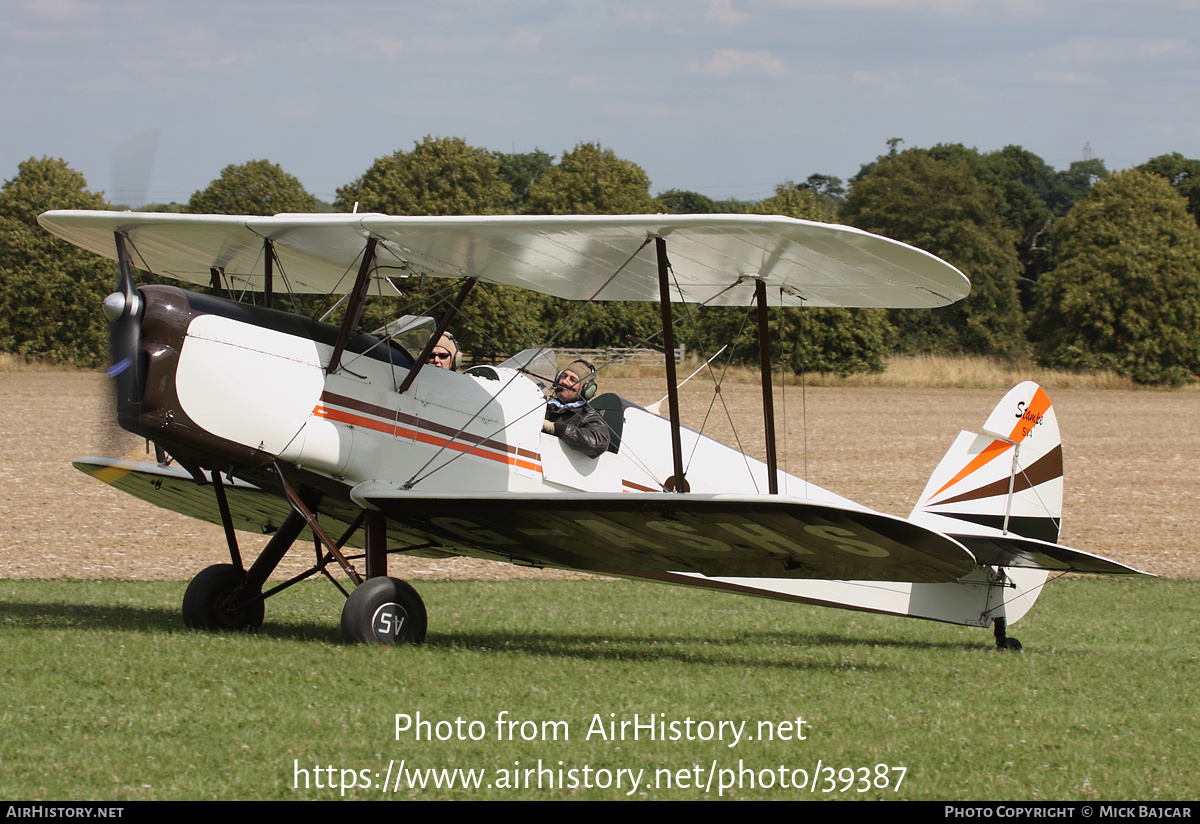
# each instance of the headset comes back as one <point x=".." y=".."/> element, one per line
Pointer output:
<point x="587" y="383"/>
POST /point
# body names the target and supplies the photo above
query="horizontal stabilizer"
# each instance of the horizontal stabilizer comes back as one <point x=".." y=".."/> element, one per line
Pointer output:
<point x="1000" y="494"/>
<point x="1014" y="551"/>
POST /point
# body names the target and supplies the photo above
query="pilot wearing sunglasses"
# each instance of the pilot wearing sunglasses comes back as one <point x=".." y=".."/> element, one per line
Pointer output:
<point x="445" y="354"/>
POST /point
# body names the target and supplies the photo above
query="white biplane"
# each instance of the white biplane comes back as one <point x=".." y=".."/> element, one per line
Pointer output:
<point x="287" y="426"/>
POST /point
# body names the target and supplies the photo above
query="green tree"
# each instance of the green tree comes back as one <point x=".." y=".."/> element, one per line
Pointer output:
<point x="1125" y="295"/>
<point x="682" y="202"/>
<point x="821" y="339"/>
<point x="445" y="176"/>
<point x="440" y="176"/>
<point x="1026" y="184"/>
<point x="828" y="189"/>
<point x="942" y="207"/>
<point x="50" y="291"/>
<point x="591" y="180"/>
<point x="1075" y="183"/>
<point x="256" y="188"/>
<point x="520" y="170"/>
<point x="1183" y="173"/>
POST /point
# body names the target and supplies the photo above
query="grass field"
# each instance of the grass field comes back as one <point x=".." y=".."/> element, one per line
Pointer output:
<point x="108" y="698"/>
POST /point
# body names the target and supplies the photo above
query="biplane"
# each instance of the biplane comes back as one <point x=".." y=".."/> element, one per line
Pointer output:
<point x="272" y="422"/>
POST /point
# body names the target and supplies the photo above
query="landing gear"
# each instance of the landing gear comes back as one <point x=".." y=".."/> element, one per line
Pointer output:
<point x="1002" y="639"/>
<point x="208" y="602"/>
<point x="384" y="611"/>
<point x="381" y="610"/>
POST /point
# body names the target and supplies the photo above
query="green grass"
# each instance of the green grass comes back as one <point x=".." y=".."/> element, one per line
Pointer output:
<point x="107" y="697"/>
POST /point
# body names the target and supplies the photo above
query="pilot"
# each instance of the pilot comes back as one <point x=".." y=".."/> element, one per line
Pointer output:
<point x="568" y="415"/>
<point x="445" y="354"/>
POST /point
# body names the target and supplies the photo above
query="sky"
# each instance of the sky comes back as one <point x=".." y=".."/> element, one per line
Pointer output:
<point x="150" y="100"/>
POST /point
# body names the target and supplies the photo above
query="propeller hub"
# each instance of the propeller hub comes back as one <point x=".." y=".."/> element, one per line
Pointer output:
<point x="115" y="305"/>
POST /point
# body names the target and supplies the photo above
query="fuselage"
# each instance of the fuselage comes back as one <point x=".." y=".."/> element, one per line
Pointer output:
<point x="239" y="386"/>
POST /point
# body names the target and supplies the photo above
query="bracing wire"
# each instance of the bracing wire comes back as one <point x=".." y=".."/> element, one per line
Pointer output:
<point x="414" y="479"/>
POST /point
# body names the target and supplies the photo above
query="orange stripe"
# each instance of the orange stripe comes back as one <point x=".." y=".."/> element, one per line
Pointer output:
<point x="422" y="437"/>
<point x="357" y="420"/>
<point x="1033" y="413"/>
<point x="994" y="450"/>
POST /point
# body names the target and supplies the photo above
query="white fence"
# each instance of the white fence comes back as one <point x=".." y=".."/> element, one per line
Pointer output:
<point x="601" y="357"/>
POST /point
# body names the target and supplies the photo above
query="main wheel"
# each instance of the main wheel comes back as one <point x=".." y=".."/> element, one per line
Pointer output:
<point x="384" y="611"/>
<point x="206" y="602"/>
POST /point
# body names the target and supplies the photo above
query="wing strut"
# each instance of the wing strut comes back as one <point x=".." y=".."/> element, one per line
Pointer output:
<point x="268" y="271"/>
<point x="764" y="360"/>
<point x="447" y="319"/>
<point x="354" y="307"/>
<point x="677" y="482"/>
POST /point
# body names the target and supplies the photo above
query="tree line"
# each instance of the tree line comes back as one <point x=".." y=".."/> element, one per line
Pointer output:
<point x="1080" y="269"/>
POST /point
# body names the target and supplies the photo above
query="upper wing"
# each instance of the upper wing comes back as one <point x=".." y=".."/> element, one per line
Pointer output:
<point x="714" y="258"/>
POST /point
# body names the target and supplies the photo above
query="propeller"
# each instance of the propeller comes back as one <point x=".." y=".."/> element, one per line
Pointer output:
<point x="132" y="167"/>
<point x="123" y="310"/>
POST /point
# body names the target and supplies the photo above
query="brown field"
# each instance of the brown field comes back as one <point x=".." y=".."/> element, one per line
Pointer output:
<point x="1130" y="469"/>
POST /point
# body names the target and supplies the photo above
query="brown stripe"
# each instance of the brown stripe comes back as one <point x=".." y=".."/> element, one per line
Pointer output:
<point x="411" y="420"/>
<point x="1046" y="468"/>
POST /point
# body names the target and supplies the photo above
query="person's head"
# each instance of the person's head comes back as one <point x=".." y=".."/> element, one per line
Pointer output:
<point x="576" y="382"/>
<point x="445" y="353"/>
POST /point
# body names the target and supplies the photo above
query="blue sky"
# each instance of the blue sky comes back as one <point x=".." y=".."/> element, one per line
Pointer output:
<point x="724" y="97"/>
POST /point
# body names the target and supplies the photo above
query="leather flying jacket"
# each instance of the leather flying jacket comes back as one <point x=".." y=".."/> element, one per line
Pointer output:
<point x="580" y="426"/>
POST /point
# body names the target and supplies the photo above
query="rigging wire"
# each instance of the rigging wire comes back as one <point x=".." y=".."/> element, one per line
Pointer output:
<point x="717" y="382"/>
<point x="562" y="328"/>
<point x="803" y="394"/>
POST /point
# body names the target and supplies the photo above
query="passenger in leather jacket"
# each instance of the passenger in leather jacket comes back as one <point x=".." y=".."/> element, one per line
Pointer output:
<point x="568" y="415"/>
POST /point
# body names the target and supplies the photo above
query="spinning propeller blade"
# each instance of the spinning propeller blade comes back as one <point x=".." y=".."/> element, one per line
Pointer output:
<point x="123" y="310"/>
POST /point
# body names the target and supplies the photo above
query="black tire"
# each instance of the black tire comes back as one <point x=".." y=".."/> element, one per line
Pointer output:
<point x="205" y="602"/>
<point x="384" y="611"/>
<point x="1010" y="644"/>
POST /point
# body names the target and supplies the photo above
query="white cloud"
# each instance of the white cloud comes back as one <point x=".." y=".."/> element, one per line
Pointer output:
<point x="722" y="11"/>
<point x="730" y="62"/>
<point x="58" y="9"/>
<point x="524" y="40"/>
<point x="389" y="46"/>
<point x="1068" y="78"/>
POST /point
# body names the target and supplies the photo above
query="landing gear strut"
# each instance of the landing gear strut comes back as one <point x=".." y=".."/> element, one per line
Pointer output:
<point x="1002" y="639"/>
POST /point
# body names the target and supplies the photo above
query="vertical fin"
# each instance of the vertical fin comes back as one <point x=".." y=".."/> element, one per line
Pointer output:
<point x="1008" y="480"/>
